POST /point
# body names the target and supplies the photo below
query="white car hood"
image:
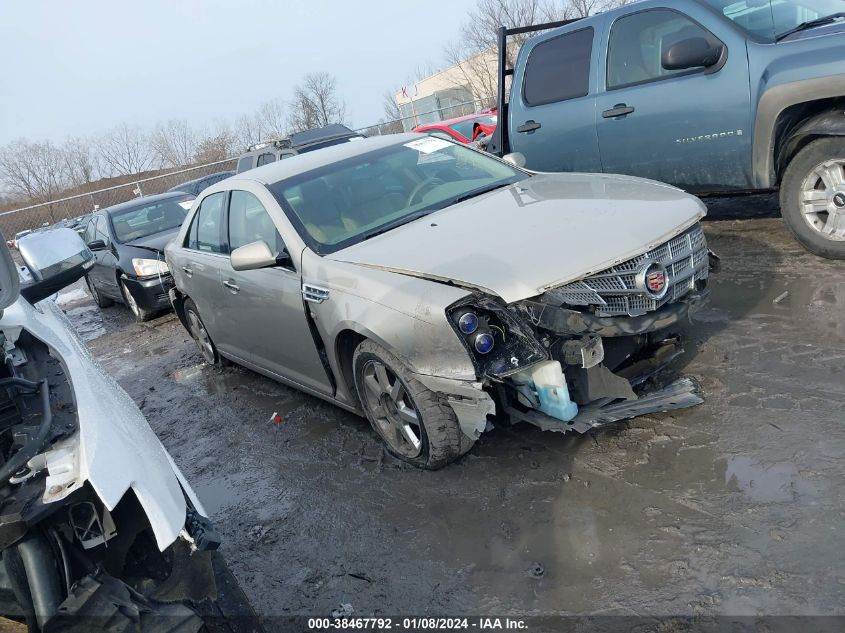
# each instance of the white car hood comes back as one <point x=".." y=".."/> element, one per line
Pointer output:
<point x="545" y="231"/>
<point x="116" y="449"/>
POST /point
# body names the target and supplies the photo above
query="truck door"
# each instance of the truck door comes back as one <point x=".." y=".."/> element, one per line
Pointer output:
<point x="552" y="119"/>
<point x="690" y="127"/>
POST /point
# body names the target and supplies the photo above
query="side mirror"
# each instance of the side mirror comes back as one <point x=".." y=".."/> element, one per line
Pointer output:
<point x="97" y="245"/>
<point x="55" y="259"/>
<point x="515" y="158"/>
<point x="693" y="52"/>
<point x="257" y="255"/>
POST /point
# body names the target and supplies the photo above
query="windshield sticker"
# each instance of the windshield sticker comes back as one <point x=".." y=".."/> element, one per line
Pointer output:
<point x="186" y="204"/>
<point x="428" y="145"/>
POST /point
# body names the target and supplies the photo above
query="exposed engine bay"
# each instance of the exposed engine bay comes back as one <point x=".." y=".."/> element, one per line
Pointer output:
<point x="68" y="563"/>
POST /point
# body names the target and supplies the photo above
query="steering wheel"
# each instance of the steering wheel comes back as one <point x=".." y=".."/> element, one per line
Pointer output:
<point x="431" y="181"/>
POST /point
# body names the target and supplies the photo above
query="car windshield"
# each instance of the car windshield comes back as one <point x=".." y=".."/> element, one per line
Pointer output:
<point x="464" y="128"/>
<point x="770" y="19"/>
<point x="346" y="202"/>
<point x="144" y="220"/>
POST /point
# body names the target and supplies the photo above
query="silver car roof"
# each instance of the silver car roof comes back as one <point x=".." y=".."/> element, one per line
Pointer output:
<point x="296" y="165"/>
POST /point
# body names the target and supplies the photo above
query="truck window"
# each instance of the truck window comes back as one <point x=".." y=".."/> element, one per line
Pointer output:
<point x="244" y="164"/>
<point x="637" y="43"/>
<point x="267" y="157"/>
<point x="559" y="69"/>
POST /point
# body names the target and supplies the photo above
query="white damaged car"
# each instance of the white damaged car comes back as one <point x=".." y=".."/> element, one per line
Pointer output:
<point x="436" y="289"/>
<point x="98" y="528"/>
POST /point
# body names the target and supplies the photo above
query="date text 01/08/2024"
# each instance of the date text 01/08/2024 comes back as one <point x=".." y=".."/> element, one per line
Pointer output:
<point x="416" y="624"/>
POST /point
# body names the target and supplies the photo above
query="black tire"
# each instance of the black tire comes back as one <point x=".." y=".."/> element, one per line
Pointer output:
<point x="100" y="300"/>
<point x="140" y="313"/>
<point x="800" y="168"/>
<point x="196" y="328"/>
<point x="440" y="435"/>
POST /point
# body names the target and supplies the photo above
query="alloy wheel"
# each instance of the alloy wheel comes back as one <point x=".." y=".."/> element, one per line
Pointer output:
<point x="130" y="301"/>
<point x="392" y="409"/>
<point x="823" y="199"/>
<point x="200" y="335"/>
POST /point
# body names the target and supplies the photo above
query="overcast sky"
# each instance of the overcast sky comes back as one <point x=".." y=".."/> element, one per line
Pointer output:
<point x="78" y="67"/>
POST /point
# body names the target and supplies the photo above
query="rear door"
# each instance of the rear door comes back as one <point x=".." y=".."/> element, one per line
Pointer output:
<point x="551" y="116"/>
<point x="690" y="128"/>
<point x="204" y="253"/>
<point x="262" y="311"/>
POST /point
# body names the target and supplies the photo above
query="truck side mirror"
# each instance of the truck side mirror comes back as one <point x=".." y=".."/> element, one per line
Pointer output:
<point x="693" y="52"/>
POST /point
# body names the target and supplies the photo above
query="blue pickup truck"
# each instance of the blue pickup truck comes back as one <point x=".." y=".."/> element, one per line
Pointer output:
<point x="712" y="96"/>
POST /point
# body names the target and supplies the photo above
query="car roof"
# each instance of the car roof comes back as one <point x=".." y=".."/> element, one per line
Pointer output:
<point x="457" y="119"/>
<point x="142" y="202"/>
<point x="302" y="163"/>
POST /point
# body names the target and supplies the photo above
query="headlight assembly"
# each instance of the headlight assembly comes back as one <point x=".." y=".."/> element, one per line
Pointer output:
<point x="149" y="267"/>
<point x="498" y="343"/>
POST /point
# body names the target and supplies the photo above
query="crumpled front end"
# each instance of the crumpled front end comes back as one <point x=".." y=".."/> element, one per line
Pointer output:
<point x="590" y="352"/>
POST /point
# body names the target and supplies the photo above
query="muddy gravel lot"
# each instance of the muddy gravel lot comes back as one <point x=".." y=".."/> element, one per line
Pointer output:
<point x="732" y="507"/>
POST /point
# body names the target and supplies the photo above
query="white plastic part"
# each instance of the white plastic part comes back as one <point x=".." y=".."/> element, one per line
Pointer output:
<point x="549" y="384"/>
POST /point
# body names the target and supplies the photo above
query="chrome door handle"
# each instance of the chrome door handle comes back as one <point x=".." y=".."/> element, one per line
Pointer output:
<point x="231" y="286"/>
<point x="188" y="271"/>
<point x="619" y="110"/>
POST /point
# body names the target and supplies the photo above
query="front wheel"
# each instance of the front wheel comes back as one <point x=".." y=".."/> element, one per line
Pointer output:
<point x="415" y="426"/>
<point x="141" y="315"/>
<point x="812" y="197"/>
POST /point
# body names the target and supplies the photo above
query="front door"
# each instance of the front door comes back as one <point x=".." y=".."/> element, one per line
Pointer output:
<point x="262" y="311"/>
<point x="552" y="121"/>
<point x="690" y="128"/>
<point x="104" y="272"/>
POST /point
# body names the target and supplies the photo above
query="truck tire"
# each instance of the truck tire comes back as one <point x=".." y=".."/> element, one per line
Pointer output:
<point x="433" y="437"/>
<point x="812" y="197"/>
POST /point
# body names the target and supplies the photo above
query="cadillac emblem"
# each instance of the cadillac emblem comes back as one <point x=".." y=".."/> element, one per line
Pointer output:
<point x="653" y="279"/>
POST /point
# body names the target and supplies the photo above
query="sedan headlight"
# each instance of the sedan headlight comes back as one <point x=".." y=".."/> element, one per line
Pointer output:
<point x="498" y="343"/>
<point x="149" y="267"/>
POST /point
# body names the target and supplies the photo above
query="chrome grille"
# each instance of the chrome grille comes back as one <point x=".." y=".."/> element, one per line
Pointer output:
<point x="614" y="292"/>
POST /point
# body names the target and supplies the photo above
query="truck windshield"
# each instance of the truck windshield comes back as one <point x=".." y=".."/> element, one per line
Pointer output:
<point x="768" y="19"/>
<point x="349" y="201"/>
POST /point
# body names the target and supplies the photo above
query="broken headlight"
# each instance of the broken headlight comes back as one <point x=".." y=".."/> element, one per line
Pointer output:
<point x="495" y="339"/>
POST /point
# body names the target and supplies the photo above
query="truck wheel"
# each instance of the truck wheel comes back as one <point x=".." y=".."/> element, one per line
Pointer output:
<point x="414" y="424"/>
<point x="100" y="300"/>
<point x="200" y="335"/>
<point x="812" y="197"/>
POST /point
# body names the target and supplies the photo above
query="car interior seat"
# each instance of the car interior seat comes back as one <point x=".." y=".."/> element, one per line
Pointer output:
<point x="321" y="212"/>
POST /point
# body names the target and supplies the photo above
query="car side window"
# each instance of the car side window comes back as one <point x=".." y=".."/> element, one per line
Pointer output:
<point x="90" y="229"/>
<point x="558" y="69"/>
<point x="244" y="164"/>
<point x="209" y="234"/>
<point x="266" y="157"/>
<point x="101" y="231"/>
<point x="638" y="41"/>
<point x="250" y="222"/>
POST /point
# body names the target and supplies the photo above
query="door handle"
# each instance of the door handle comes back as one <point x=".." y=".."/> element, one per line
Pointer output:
<point x="188" y="271"/>
<point x="231" y="286"/>
<point x="528" y="126"/>
<point x="619" y="110"/>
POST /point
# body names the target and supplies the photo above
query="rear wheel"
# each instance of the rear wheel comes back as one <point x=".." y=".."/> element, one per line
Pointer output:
<point x="200" y="335"/>
<point x="100" y="300"/>
<point x="414" y="424"/>
<point x="812" y="197"/>
<point x="139" y="312"/>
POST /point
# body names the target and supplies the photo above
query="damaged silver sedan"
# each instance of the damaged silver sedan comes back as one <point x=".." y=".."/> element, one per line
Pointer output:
<point x="436" y="289"/>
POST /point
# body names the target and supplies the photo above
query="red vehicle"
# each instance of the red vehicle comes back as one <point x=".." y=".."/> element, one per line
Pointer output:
<point x="463" y="129"/>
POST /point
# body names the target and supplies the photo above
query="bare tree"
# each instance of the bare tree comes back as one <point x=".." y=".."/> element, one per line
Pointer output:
<point x="126" y="150"/>
<point x="272" y="116"/>
<point x="32" y="170"/>
<point x="217" y="144"/>
<point x="174" y="143"/>
<point x="315" y="103"/>
<point x="248" y="130"/>
<point x="80" y="161"/>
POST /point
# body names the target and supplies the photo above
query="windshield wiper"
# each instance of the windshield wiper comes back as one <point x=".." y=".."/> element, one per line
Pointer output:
<point x="811" y="24"/>
<point x="405" y="220"/>
<point x="477" y="192"/>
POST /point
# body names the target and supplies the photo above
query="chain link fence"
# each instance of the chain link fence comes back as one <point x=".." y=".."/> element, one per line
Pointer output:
<point x="47" y="213"/>
<point x="427" y="117"/>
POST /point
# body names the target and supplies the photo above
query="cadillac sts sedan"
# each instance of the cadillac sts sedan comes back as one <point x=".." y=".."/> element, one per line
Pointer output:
<point x="437" y="290"/>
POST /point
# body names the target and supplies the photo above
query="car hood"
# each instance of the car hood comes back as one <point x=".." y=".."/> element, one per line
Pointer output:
<point x="547" y="230"/>
<point x="156" y="241"/>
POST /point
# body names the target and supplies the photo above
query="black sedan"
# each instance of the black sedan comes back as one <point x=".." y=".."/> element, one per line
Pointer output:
<point x="128" y="244"/>
<point x="195" y="186"/>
